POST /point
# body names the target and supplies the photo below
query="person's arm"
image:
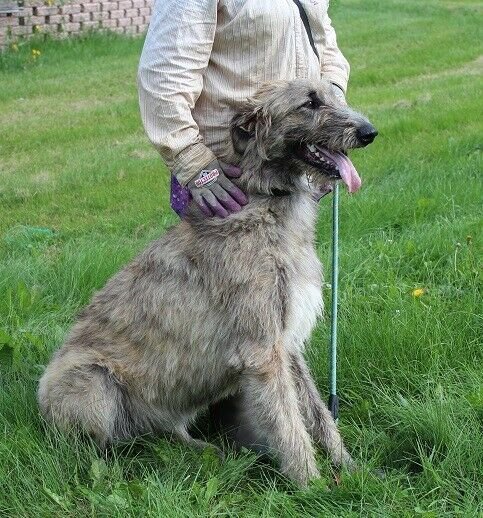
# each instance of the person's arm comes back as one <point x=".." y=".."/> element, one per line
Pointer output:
<point x="170" y="79"/>
<point x="334" y="66"/>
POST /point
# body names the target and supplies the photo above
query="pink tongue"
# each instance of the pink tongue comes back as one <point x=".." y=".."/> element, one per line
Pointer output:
<point x="346" y="168"/>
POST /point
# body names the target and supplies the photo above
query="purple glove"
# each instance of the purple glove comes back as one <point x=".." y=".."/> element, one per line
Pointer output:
<point x="180" y="197"/>
<point x="212" y="190"/>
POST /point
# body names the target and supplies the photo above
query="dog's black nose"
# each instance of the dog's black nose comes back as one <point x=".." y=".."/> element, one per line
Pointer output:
<point x="366" y="134"/>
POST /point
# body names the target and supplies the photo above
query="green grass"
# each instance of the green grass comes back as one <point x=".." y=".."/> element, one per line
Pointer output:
<point x="81" y="192"/>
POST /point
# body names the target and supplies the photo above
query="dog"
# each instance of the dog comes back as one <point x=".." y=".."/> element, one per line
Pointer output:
<point x="219" y="308"/>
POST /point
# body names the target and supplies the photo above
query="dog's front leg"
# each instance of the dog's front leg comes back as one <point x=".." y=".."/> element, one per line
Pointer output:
<point x="270" y="399"/>
<point x="318" y="419"/>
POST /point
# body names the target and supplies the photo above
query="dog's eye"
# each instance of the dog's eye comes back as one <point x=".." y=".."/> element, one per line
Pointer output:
<point x="312" y="105"/>
<point x="314" y="102"/>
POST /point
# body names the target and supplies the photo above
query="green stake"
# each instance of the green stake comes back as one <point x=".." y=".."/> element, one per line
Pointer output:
<point x="333" y="399"/>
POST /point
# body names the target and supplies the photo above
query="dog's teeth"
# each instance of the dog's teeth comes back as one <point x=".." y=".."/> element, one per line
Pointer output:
<point x="311" y="148"/>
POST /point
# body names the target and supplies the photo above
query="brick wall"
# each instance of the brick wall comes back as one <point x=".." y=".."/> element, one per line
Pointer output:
<point x="69" y="18"/>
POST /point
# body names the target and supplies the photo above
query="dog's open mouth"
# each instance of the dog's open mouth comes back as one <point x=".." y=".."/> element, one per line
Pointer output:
<point x="333" y="164"/>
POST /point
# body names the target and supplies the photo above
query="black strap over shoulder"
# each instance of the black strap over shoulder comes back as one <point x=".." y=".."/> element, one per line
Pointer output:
<point x="306" y="23"/>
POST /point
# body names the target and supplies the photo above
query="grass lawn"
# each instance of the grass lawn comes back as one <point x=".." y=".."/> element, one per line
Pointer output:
<point x="81" y="192"/>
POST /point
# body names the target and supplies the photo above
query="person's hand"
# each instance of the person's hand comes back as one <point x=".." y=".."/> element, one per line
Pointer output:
<point x="214" y="192"/>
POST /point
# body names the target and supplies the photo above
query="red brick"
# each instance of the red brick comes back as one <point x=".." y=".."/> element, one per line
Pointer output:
<point x="8" y="21"/>
<point x="58" y="18"/>
<point x="123" y="22"/>
<point x="109" y="6"/>
<point x="27" y="11"/>
<point x="70" y="9"/>
<point x="35" y="20"/>
<point x="90" y="8"/>
<point x="71" y="27"/>
<point x="89" y="25"/>
<point x="137" y="20"/>
<point x="36" y="3"/>
<point x="116" y="14"/>
<point x="144" y="11"/>
<point x="99" y="16"/>
<point x="138" y="3"/>
<point x="131" y="13"/>
<point x="80" y="17"/>
<point x="21" y="30"/>
<point x="50" y="29"/>
<point x="45" y="10"/>
<point x="125" y="4"/>
<point x="108" y="23"/>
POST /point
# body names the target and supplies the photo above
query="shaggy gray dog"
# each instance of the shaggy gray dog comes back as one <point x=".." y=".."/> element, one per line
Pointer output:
<point x="222" y="307"/>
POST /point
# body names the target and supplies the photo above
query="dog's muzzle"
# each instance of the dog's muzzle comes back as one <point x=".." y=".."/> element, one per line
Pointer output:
<point x="366" y="134"/>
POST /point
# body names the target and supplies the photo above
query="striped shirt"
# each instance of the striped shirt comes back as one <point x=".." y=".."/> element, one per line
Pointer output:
<point x="202" y="57"/>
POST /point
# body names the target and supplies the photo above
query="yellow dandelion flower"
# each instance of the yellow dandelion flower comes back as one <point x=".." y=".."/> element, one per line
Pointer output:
<point x="14" y="47"/>
<point x="418" y="292"/>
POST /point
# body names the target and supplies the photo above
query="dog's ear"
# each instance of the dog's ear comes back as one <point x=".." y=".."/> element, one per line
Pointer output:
<point x="252" y="121"/>
<point x="240" y="135"/>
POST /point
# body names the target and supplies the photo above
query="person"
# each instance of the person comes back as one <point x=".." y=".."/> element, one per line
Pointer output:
<point x="200" y="59"/>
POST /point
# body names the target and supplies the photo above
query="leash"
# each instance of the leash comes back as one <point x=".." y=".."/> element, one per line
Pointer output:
<point x="333" y="398"/>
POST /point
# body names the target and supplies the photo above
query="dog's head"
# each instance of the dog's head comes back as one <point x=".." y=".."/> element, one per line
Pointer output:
<point x="305" y="126"/>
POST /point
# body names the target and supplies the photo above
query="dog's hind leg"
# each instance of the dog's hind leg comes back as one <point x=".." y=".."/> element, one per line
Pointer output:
<point x="270" y="402"/>
<point x="318" y="419"/>
<point x="89" y="398"/>
<point x="184" y="436"/>
<point x="231" y="420"/>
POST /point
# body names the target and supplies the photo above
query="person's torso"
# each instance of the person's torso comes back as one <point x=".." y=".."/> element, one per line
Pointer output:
<point x="255" y="41"/>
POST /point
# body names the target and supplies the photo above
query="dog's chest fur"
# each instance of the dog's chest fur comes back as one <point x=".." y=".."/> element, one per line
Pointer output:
<point x="267" y="271"/>
<point x="304" y="280"/>
<point x="305" y="306"/>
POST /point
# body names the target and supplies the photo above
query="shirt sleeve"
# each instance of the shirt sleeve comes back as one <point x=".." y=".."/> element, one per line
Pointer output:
<point x="334" y="66"/>
<point x="170" y="80"/>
